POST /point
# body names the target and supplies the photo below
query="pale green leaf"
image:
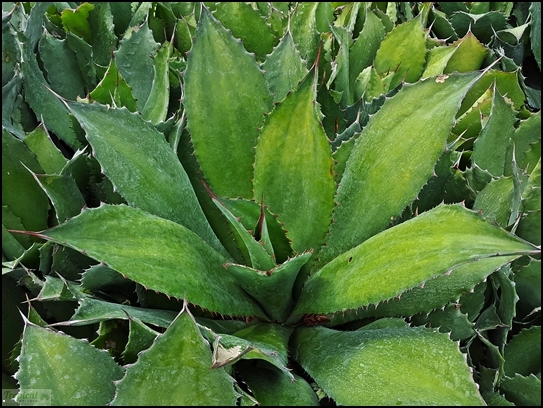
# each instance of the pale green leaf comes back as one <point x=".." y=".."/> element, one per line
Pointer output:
<point x="469" y="55"/>
<point x="432" y="244"/>
<point x="51" y="160"/>
<point x="157" y="253"/>
<point x="142" y="166"/>
<point x="179" y="366"/>
<point x="71" y="369"/>
<point x="226" y="98"/>
<point x="301" y="194"/>
<point x="409" y="132"/>
<point x="386" y="366"/>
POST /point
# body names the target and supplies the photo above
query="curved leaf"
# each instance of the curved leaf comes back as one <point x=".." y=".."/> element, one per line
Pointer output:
<point x="225" y="100"/>
<point x="294" y="168"/>
<point x="386" y="366"/>
<point x="71" y="369"/>
<point x="413" y="252"/>
<point x="175" y="370"/>
<point x="143" y="167"/>
<point x="392" y="160"/>
<point x="157" y="253"/>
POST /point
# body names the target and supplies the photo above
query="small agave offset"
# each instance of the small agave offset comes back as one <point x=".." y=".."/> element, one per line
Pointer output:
<point x="252" y="205"/>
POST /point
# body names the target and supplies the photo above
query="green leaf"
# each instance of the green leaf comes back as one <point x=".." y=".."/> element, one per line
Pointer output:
<point x="258" y="257"/>
<point x="156" y="106"/>
<point x="113" y="90"/>
<point x="284" y="68"/>
<point x="522" y="390"/>
<point x="51" y="160"/>
<point x="20" y="192"/>
<point x="490" y="148"/>
<point x="364" y="48"/>
<point x="246" y="24"/>
<point x="140" y="338"/>
<point x="223" y="130"/>
<point x="437" y="60"/>
<point x="157" y="253"/>
<point x="495" y="200"/>
<point x="301" y="195"/>
<point x="103" y="39"/>
<point x="70" y="369"/>
<point x="271" y="387"/>
<point x="303" y="27"/>
<point x="44" y="103"/>
<point x="55" y="53"/>
<point x="358" y="277"/>
<point x="417" y="119"/>
<point x="76" y="21"/>
<point x="135" y="63"/>
<point x="179" y="364"/>
<point x="523" y="353"/>
<point x="535" y="31"/>
<point x="402" y="51"/>
<point x="468" y="56"/>
<point x="363" y="366"/>
<point x="273" y="288"/>
<point x="482" y="25"/>
<point x="63" y="193"/>
<point x="156" y="183"/>
<point x="528" y="283"/>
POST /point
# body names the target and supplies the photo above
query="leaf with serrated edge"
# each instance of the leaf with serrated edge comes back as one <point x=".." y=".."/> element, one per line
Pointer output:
<point x="412" y="252"/>
<point x="224" y="123"/>
<point x="157" y="182"/>
<point x="386" y="366"/>
<point x="71" y="369"/>
<point x="179" y="364"/>
<point x="300" y="194"/>
<point x="157" y="253"/>
<point x="417" y="119"/>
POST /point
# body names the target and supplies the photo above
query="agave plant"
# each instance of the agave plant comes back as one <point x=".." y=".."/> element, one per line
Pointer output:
<point x="271" y="203"/>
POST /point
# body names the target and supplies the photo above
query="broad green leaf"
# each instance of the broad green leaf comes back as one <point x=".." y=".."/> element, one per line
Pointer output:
<point x="364" y="48"/>
<point x="340" y="68"/>
<point x="157" y="253"/>
<point x="272" y="288"/>
<point x="84" y="56"/>
<point x="246" y="24"/>
<point x="301" y="194"/>
<point x="156" y="106"/>
<point x="135" y="63"/>
<point x="55" y="53"/>
<point x="414" y="251"/>
<point x="113" y="90"/>
<point x="523" y="353"/>
<point x="522" y="391"/>
<point x="179" y="364"/>
<point x="13" y="246"/>
<point x="103" y="39"/>
<point x="20" y="192"/>
<point x="44" y="103"/>
<point x="490" y="147"/>
<point x="526" y="135"/>
<point x="101" y="277"/>
<point x="272" y="387"/>
<point x="51" y="160"/>
<point x="403" y="51"/>
<point x="364" y="367"/>
<point x="469" y="55"/>
<point x="417" y="119"/>
<point x="226" y="98"/>
<point x="142" y="166"/>
<point x="70" y="369"/>
<point x="284" y="68"/>
<point x="450" y="319"/>
<point x="76" y="21"/>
